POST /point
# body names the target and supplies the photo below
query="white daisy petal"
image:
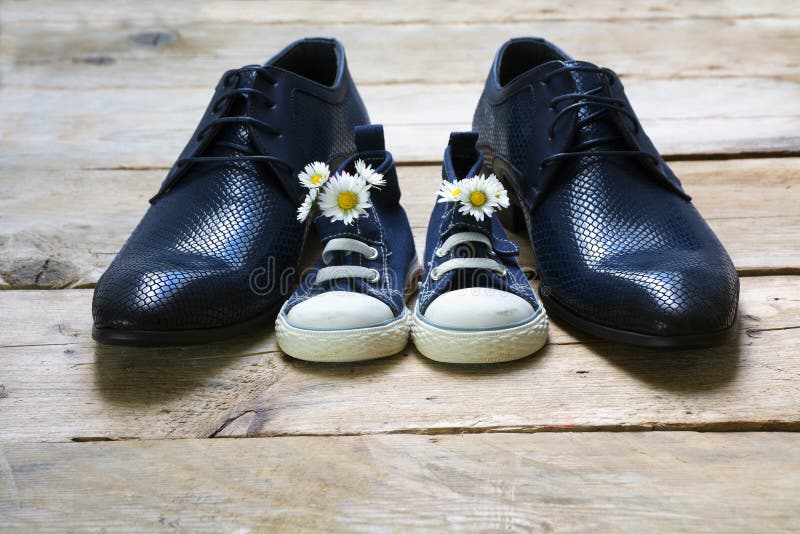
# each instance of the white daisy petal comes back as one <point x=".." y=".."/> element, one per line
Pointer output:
<point x="345" y="198"/>
<point x="368" y="174"/>
<point x="376" y="180"/>
<point x="362" y="169"/>
<point x="314" y="175"/>
<point x="481" y="196"/>
<point x="449" y="191"/>
<point x="308" y="205"/>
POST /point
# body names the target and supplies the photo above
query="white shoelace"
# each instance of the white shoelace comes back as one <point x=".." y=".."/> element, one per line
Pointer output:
<point x="344" y="244"/>
<point x="461" y="238"/>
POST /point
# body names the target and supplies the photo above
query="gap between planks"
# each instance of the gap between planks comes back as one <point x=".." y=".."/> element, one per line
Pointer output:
<point x="246" y="387"/>
<point x="740" y="198"/>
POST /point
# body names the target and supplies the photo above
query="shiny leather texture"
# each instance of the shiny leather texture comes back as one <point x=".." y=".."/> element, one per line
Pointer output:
<point x="220" y="243"/>
<point x="620" y="249"/>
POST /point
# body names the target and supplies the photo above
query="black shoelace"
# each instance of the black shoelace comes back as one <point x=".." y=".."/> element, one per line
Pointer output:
<point x="592" y="100"/>
<point x="231" y="82"/>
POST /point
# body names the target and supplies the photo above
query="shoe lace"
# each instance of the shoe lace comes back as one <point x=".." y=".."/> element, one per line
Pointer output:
<point x="596" y="106"/>
<point x="231" y="81"/>
<point x="334" y="272"/>
<point x="466" y="238"/>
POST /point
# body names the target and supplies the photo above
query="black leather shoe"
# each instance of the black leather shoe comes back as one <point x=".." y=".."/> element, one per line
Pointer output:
<point x="621" y="251"/>
<point x="216" y="252"/>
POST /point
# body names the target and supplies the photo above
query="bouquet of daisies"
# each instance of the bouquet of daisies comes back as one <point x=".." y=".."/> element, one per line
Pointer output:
<point x="479" y="195"/>
<point x="341" y="197"/>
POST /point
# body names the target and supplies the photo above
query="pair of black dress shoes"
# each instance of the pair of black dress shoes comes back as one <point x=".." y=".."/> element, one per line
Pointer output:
<point x="620" y="250"/>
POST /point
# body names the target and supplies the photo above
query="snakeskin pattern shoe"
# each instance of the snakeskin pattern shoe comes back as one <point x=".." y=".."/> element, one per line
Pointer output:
<point x="621" y="251"/>
<point x="216" y="252"/>
<point x="352" y="305"/>
<point x="475" y="304"/>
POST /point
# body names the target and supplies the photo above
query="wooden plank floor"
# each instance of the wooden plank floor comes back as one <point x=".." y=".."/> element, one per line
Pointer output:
<point x="97" y="99"/>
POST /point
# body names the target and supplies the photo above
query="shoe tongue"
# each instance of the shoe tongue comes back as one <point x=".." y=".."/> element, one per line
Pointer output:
<point x="237" y="133"/>
<point x="602" y="126"/>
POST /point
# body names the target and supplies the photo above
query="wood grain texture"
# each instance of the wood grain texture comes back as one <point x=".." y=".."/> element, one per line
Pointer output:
<point x="66" y="235"/>
<point x="53" y="13"/>
<point x="127" y="54"/>
<point x="104" y="78"/>
<point x="654" y="482"/>
<point x="101" y="126"/>
<point x="61" y="386"/>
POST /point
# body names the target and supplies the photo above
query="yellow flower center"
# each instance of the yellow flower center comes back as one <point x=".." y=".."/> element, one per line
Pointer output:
<point x="347" y="200"/>
<point x="477" y="198"/>
<point x="456" y="192"/>
<point x="316" y="179"/>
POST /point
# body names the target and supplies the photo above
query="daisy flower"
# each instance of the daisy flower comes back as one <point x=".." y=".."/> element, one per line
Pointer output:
<point x="314" y="175"/>
<point x="498" y="191"/>
<point x="449" y="191"/>
<point x="308" y="204"/>
<point x="481" y="196"/>
<point x="345" y="198"/>
<point x="372" y="178"/>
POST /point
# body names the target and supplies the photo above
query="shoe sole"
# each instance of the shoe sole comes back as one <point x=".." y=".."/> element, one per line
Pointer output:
<point x="171" y="338"/>
<point x="351" y="344"/>
<point x="635" y="338"/>
<point x="346" y="345"/>
<point x="479" y="346"/>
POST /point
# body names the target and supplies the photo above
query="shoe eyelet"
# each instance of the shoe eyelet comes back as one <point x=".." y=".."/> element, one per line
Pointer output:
<point x="435" y="275"/>
<point x="504" y="273"/>
<point x="373" y="254"/>
<point x="375" y="278"/>
<point x="439" y="253"/>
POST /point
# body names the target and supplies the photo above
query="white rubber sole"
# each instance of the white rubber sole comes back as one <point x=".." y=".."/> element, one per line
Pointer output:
<point x="479" y="346"/>
<point x="346" y="345"/>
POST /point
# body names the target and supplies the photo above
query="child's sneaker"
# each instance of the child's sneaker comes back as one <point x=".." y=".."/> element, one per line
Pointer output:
<point x="475" y="303"/>
<point x="352" y="306"/>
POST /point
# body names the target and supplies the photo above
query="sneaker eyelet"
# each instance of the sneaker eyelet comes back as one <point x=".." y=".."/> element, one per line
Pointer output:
<point x="439" y="253"/>
<point x="375" y="278"/>
<point x="373" y="254"/>
<point x="504" y="273"/>
<point x="435" y="274"/>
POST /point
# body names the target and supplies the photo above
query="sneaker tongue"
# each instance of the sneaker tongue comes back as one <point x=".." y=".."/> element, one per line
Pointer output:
<point x="602" y="126"/>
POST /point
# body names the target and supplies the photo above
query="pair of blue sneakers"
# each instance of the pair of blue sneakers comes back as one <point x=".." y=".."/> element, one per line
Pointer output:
<point x="475" y="304"/>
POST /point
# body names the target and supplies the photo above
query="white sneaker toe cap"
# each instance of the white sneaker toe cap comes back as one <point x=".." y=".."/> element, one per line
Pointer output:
<point x="335" y="310"/>
<point x="478" y="308"/>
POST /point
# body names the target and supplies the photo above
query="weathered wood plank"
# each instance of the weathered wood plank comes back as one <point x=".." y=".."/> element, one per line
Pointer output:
<point x="432" y="12"/>
<point x="126" y="54"/>
<point x="654" y="482"/>
<point x="60" y="386"/>
<point x="61" y="228"/>
<point x="104" y="127"/>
